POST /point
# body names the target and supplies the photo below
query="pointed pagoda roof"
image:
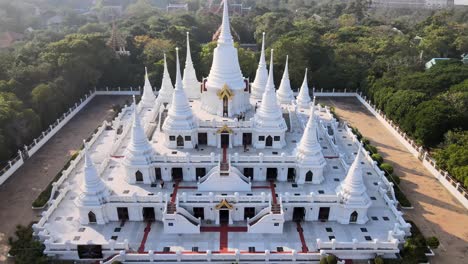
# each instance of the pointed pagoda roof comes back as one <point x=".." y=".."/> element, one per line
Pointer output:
<point x="261" y="76"/>
<point x="165" y="93"/>
<point x="303" y="98"/>
<point x="148" y="98"/>
<point x="225" y="68"/>
<point x="190" y="83"/>
<point x="180" y="116"/>
<point x="269" y="113"/>
<point x="285" y="94"/>
<point x="353" y="190"/>
<point x="139" y="151"/>
<point x="309" y="144"/>
<point x="94" y="190"/>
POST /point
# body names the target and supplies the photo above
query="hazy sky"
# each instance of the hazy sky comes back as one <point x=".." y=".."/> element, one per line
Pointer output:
<point x="461" y="2"/>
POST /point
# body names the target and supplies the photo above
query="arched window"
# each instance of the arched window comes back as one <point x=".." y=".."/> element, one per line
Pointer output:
<point x="139" y="176"/>
<point x="269" y="141"/>
<point x="353" y="217"/>
<point x="180" y="141"/>
<point x="91" y="217"/>
<point x="309" y="176"/>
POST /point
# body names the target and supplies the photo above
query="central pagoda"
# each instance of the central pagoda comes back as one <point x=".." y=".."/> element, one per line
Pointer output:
<point x="225" y="92"/>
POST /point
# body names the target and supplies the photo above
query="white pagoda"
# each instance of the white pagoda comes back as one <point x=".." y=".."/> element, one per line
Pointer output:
<point x="222" y="171"/>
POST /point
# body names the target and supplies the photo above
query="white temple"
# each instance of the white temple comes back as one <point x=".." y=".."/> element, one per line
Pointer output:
<point x="222" y="171"/>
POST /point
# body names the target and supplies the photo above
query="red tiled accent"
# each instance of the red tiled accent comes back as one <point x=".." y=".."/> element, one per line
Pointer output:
<point x="174" y="192"/>
<point x="273" y="193"/>
<point x="301" y="236"/>
<point x="141" y="249"/>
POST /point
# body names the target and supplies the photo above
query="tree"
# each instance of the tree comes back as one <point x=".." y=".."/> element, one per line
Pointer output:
<point x="25" y="248"/>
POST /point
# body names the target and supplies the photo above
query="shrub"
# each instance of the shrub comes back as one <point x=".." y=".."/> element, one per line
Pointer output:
<point x="377" y="157"/>
<point x="365" y="141"/>
<point x="400" y="196"/>
<point x="25" y="248"/>
<point x="432" y="242"/>
<point x="356" y="132"/>
<point x="323" y="260"/>
<point x="387" y="168"/>
<point x="371" y="149"/>
<point x="395" y="179"/>
<point x="331" y="259"/>
<point x="378" y="260"/>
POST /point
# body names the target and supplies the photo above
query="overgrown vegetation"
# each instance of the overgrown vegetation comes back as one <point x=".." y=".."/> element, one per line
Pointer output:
<point x="25" y="248"/>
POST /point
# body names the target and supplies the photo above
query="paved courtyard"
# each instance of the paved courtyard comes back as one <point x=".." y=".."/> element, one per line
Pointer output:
<point x="18" y="192"/>
<point x="436" y="211"/>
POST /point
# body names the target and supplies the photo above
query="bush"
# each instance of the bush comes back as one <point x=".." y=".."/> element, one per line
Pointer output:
<point x="378" y="260"/>
<point x="387" y="168"/>
<point x="323" y="260"/>
<point x="330" y="259"/>
<point x="395" y="179"/>
<point x="356" y="132"/>
<point x="25" y="248"/>
<point x="371" y="149"/>
<point x="432" y="242"/>
<point x="377" y="157"/>
<point x="365" y="141"/>
<point x="400" y="196"/>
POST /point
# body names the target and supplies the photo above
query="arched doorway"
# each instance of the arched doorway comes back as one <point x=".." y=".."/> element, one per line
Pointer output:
<point x="309" y="176"/>
<point x="139" y="176"/>
<point x="269" y="141"/>
<point x="353" y="217"/>
<point x="225" y="106"/>
<point x="91" y="217"/>
<point x="180" y="141"/>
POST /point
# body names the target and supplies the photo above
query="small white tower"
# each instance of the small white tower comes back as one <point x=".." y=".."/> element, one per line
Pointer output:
<point x="190" y="83"/>
<point x="261" y="76"/>
<point x="303" y="98"/>
<point x="138" y="155"/>
<point x="353" y="194"/>
<point x="166" y="91"/>
<point x="269" y="124"/>
<point x="285" y="94"/>
<point x="309" y="154"/>
<point x="148" y="98"/>
<point x="94" y="194"/>
<point x="179" y="126"/>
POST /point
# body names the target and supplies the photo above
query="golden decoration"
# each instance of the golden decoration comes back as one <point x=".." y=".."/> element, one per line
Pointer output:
<point x="224" y="204"/>
<point x="225" y="92"/>
<point x="224" y="129"/>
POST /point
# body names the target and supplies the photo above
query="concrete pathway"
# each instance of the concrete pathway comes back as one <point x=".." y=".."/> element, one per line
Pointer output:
<point x="436" y="211"/>
<point x="22" y="188"/>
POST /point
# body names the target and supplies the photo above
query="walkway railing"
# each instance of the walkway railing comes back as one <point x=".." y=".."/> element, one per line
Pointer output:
<point x="29" y="150"/>
<point x="450" y="183"/>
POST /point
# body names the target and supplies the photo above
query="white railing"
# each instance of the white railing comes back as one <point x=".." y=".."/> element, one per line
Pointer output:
<point x="355" y="245"/>
<point x="451" y="184"/>
<point x="29" y="150"/>
<point x="229" y="123"/>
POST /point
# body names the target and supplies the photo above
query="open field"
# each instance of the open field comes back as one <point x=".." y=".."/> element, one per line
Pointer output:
<point x="18" y="192"/>
<point x="436" y="211"/>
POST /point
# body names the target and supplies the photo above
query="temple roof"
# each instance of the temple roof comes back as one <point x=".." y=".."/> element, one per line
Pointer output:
<point x="285" y="94"/>
<point x="303" y="98"/>
<point x="190" y="83"/>
<point x="261" y="76"/>
<point x="309" y="144"/>
<point x="165" y="93"/>
<point x="148" y="98"/>
<point x="225" y="68"/>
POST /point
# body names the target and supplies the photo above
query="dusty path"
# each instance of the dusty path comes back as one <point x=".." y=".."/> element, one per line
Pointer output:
<point x="436" y="211"/>
<point x="20" y="190"/>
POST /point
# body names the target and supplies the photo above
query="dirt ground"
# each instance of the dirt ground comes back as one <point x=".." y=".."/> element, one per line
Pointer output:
<point x="20" y="190"/>
<point x="436" y="212"/>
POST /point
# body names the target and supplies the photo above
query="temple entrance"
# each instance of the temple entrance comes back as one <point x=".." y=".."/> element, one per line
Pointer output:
<point x="269" y="141"/>
<point x="272" y="174"/>
<point x="291" y="174"/>
<point x="91" y="217"/>
<point x="249" y="172"/>
<point x="224" y="216"/>
<point x="298" y="214"/>
<point x="180" y="141"/>
<point x="177" y="174"/>
<point x="249" y="212"/>
<point x="324" y="212"/>
<point x="199" y="212"/>
<point x="202" y="139"/>
<point x="157" y="172"/>
<point x="225" y="140"/>
<point x="247" y="139"/>
<point x="353" y="217"/>
<point x="138" y="176"/>
<point x="148" y="214"/>
<point x="225" y="106"/>
<point x="122" y="213"/>
<point x="309" y="176"/>
<point x="200" y="172"/>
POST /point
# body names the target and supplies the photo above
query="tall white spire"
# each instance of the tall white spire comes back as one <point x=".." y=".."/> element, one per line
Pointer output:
<point x="190" y="82"/>
<point x="94" y="189"/>
<point x="261" y="76"/>
<point x="269" y="114"/>
<point x="225" y="36"/>
<point x="303" y="98"/>
<point x="353" y="190"/>
<point x="180" y="115"/>
<point x="309" y="144"/>
<point x="165" y="93"/>
<point x="285" y="94"/>
<point x="139" y="151"/>
<point x="148" y="98"/>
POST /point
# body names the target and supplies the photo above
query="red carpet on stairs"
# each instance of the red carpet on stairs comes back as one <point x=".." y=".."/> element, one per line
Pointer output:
<point x="141" y="249"/>
<point x="301" y="236"/>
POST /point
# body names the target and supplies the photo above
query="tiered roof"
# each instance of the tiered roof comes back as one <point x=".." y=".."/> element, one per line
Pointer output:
<point x="261" y="76"/>
<point x="285" y="94"/>
<point x="303" y="98"/>
<point x="148" y="98"/>
<point x="190" y="83"/>
<point x="165" y="93"/>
